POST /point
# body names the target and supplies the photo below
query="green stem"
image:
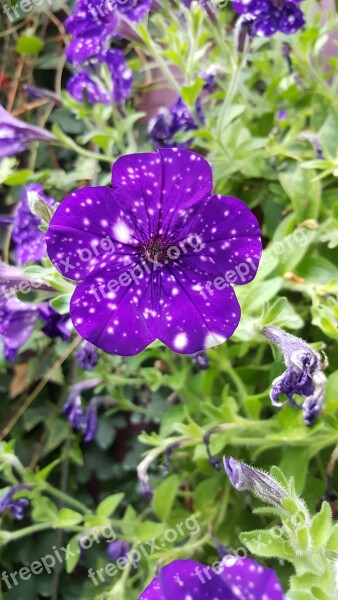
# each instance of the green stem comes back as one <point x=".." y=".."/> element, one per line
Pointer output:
<point x="65" y="497"/>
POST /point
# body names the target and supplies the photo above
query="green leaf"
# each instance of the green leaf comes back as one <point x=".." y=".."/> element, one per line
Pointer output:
<point x="61" y="303"/>
<point x="266" y="543"/>
<point x="164" y="497"/>
<point x="321" y="526"/>
<point x="29" y="44"/>
<point x="44" y="509"/>
<point x="332" y="543"/>
<point x="68" y="517"/>
<point x="109" y="505"/>
<point x="149" y="530"/>
<point x="73" y="554"/>
<point x="19" y="178"/>
<point x="190" y="93"/>
<point x="303" y="190"/>
<point x="303" y="537"/>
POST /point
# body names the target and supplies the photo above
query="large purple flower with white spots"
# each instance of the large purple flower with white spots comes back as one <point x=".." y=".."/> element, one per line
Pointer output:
<point x="266" y="17"/>
<point x="88" y="83"/>
<point x="234" y="578"/>
<point x="144" y="250"/>
<point x="29" y="239"/>
<point x="94" y="22"/>
<point x="15" y="135"/>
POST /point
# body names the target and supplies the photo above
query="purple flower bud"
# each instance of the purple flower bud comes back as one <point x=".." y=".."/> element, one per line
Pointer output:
<point x="89" y="424"/>
<point x="243" y="477"/>
<point x="36" y="92"/>
<point x="201" y="360"/>
<point x="303" y="375"/>
<point x="7" y="502"/>
<point x="86" y="356"/>
<point x="56" y="325"/>
<point x="73" y="410"/>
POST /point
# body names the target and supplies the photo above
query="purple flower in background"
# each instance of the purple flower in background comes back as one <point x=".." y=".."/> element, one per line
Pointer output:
<point x="164" y="126"/>
<point x="13" y="280"/>
<point x="56" y="325"/>
<point x="234" y="578"/>
<point x="35" y="92"/>
<point x="94" y="22"/>
<point x="17" y="322"/>
<point x="169" y="236"/>
<point x="7" y="502"/>
<point x="86" y="84"/>
<point x="303" y="375"/>
<point x="244" y="477"/>
<point x="266" y="17"/>
<point x="84" y="421"/>
<point x="29" y="239"/>
<point x="86" y="356"/>
<point x="15" y="135"/>
<point x="118" y="549"/>
<point x="201" y="360"/>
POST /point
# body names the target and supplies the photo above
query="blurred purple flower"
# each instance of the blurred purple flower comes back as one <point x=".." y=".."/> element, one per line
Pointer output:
<point x="87" y="84"/>
<point x="56" y="325"/>
<point x="94" y="22"/>
<point x="17" y="322"/>
<point x="266" y="17"/>
<point x="7" y="502"/>
<point x="303" y="375"/>
<point x="84" y="421"/>
<point x="163" y="126"/>
<point x="86" y="356"/>
<point x="234" y="578"/>
<point x="201" y="360"/>
<point x="15" y="135"/>
<point x="118" y="549"/>
<point x="29" y="239"/>
<point x="90" y="424"/>
<point x="36" y="92"/>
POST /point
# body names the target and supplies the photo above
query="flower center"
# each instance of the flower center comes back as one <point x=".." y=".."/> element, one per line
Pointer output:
<point x="155" y="249"/>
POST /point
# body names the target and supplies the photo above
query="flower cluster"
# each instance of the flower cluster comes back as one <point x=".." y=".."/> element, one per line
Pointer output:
<point x="164" y="125"/>
<point x="266" y="17"/>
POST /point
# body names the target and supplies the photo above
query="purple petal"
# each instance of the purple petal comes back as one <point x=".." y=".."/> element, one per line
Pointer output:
<point x="17" y="322"/>
<point x="122" y="76"/>
<point x="85" y="230"/>
<point x="134" y="10"/>
<point x="252" y="7"/>
<point x="191" y="320"/>
<point x="153" y="591"/>
<point x="247" y="579"/>
<point x="80" y="49"/>
<point x="266" y="24"/>
<point x="81" y="87"/>
<point x="161" y="188"/>
<point x="291" y="18"/>
<point x="116" y="320"/>
<point x="184" y="579"/>
<point x="230" y="234"/>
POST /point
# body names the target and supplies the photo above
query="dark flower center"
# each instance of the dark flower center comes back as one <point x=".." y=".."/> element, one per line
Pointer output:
<point x="156" y="249"/>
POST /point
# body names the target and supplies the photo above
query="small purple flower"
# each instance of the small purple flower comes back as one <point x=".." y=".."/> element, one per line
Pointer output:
<point x="164" y="126"/>
<point x="266" y="17"/>
<point x="29" y="239"/>
<point x="86" y="356"/>
<point x="94" y="22"/>
<point x="303" y="375"/>
<point x="148" y="286"/>
<point x="244" y="477"/>
<point x="282" y="115"/>
<point x="7" y="502"/>
<point x="86" y="422"/>
<point x="201" y="360"/>
<point x="17" y="322"/>
<point x="118" y="549"/>
<point x="15" y="135"/>
<point x="56" y="325"/>
<point x="87" y="84"/>
<point x="234" y="578"/>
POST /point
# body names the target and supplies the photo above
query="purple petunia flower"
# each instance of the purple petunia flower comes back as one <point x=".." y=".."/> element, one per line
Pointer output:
<point x="159" y="236"/>
<point x="15" y="135"/>
<point x="163" y="127"/>
<point x="94" y="22"/>
<point x="266" y="17"/>
<point x="7" y="502"/>
<point x="87" y="84"/>
<point x="86" y="356"/>
<point x="29" y="239"/>
<point x="234" y="578"/>
<point x="56" y="325"/>
<point x="303" y="375"/>
<point x="17" y="322"/>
